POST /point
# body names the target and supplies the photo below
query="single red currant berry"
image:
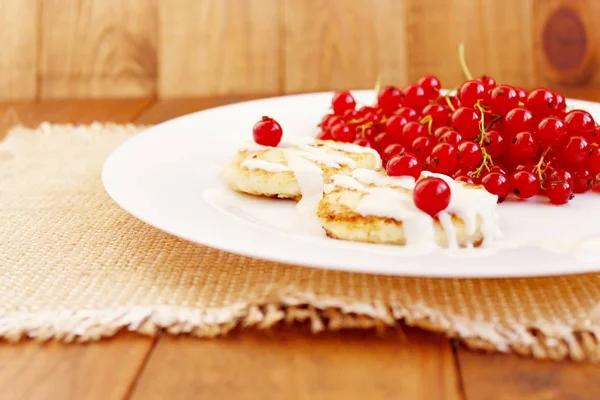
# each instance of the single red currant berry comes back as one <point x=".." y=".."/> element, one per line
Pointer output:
<point x="372" y="117"/>
<point x="523" y="146"/>
<point x="466" y="121"/>
<point x="389" y="99"/>
<point x="404" y="165"/>
<point x="414" y="97"/>
<point x="579" y="123"/>
<point x="324" y="124"/>
<point x="394" y="126"/>
<point x="464" y="179"/>
<point x="541" y="102"/>
<point x="576" y="152"/>
<point x="421" y="147"/>
<point x="595" y="159"/>
<point x="440" y="131"/>
<point x="452" y="137"/>
<point x="469" y="154"/>
<point x="494" y="144"/>
<point x="380" y="142"/>
<point x="560" y="176"/>
<point x="583" y="180"/>
<point x="559" y="193"/>
<point x="331" y="122"/>
<point x="325" y="135"/>
<point x="561" y="104"/>
<point x="267" y="132"/>
<point x="364" y="110"/>
<point x="528" y="166"/>
<point x="411" y="131"/>
<point x="432" y="195"/>
<point x="431" y="85"/>
<point x="341" y="102"/>
<point x="524" y="184"/>
<point x="392" y="150"/>
<point x="351" y="115"/>
<point x="444" y="158"/>
<point x="488" y="82"/>
<point x="343" y="133"/>
<point x="518" y="120"/>
<point x="521" y="94"/>
<point x="362" y="142"/>
<point x="439" y="114"/>
<point x="496" y="183"/>
<point x="503" y="98"/>
<point x="551" y="131"/>
<point x="408" y="113"/>
<point x="470" y="93"/>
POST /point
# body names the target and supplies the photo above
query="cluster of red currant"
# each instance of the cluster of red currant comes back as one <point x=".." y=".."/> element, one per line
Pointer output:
<point x="499" y="136"/>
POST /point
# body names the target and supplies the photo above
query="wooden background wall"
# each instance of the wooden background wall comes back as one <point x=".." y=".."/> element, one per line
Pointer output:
<point x="178" y="48"/>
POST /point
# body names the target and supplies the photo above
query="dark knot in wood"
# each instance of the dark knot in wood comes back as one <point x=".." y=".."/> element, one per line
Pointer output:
<point x="565" y="39"/>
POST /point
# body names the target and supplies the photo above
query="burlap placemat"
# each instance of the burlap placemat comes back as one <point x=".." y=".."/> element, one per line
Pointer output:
<point x="74" y="266"/>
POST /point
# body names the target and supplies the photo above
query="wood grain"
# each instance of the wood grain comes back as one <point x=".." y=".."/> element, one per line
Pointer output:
<point x="18" y="58"/>
<point x="98" y="48"/>
<point x="289" y="364"/>
<point x="343" y="45"/>
<point x="219" y="47"/>
<point x="508" y="377"/>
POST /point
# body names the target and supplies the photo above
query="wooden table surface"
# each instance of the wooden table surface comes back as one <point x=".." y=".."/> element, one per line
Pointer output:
<point x="278" y="364"/>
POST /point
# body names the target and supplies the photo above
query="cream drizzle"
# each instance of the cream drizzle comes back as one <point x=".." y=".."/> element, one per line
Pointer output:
<point x="255" y="163"/>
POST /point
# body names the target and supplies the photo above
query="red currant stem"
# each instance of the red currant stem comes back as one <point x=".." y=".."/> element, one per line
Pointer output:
<point x="495" y="119"/>
<point x="481" y="110"/>
<point x="540" y="167"/>
<point x="429" y="121"/>
<point x="594" y="144"/>
<point x="487" y="160"/>
<point x="355" y="121"/>
<point x="463" y="62"/>
<point x="521" y="104"/>
<point x="450" y="105"/>
<point x="378" y="84"/>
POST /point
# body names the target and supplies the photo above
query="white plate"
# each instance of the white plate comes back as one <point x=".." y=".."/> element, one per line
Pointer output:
<point x="169" y="177"/>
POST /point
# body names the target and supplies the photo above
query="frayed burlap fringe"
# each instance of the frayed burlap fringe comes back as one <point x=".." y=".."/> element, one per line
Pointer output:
<point x="75" y="267"/>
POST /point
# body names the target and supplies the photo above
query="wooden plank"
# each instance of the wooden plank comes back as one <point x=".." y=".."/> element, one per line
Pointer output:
<point x="290" y="364"/>
<point x="496" y="35"/>
<point x="212" y="47"/>
<point x="98" y="48"/>
<point x="343" y="45"/>
<point x="567" y="44"/>
<point x="507" y="377"/>
<point x="103" y="370"/>
<point x="18" y="58"/>
<point x="171" y="108"/>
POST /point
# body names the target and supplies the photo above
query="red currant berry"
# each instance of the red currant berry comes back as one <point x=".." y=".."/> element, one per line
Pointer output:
<point x="439" y="114"/>
<point x="341" y="102"/>
<point x="523" y="146"/>
<point x="469" y="154"/>
<point x="331" y="122"/>
<point x="392" y="150"/>
<point x="583" y="180"/>
<point x="411" y="131"/>
<point x="525" y="167"/>
<point x="521" y="94"/>
<point x="488" y="82"/>
<point x="372" y="117"/>
<point x="494" y="144"/>
<point x="561" y="104"/>
<point x="579" y="123"/>
<point x="364" y="110"/>
<point x="470" y="93"/>
<point x="380" y="141"/>
<point x="369" y="132"/>
<point x="325" y="135"/>
<point x="560" y="176"/>
<point x="389" y="99"/>
<point x="351" y="115"/>
<point x="576" y="152"/>
<point x="452" y="137"/>
<point x="343" y="133"/>
<point x="444" y="158"/>
<point x="551" y="131"/>
<point x="541" y="102"/>
<point x="466" y="122"/>
<point x="422" y="146"/>
<point x="595" y="159"/>
<point x="440" y="131"/>
<point x="503" y="98"/>
<point x="431" y="85"/>
<point x="559" y="193"/>
<point x="518" y="120"/>
<point x="362" y="142"/>
<point x="267" y="132"/>
<point x="414" y="97"/>
<point x="432" y="195"/>
<point x="524" y="184"/>
<point x="496" y="183"/>
<point x="394" y="126"/>
<point x="408" y="113"/>
<point x="324" y="124"/>
<point x="404" y="165"/>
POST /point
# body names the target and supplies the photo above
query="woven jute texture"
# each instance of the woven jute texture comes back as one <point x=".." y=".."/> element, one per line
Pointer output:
<point x="75" y="267"/>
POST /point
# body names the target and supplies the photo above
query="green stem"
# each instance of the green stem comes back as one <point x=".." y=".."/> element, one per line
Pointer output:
<point x="463" y="62"/>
